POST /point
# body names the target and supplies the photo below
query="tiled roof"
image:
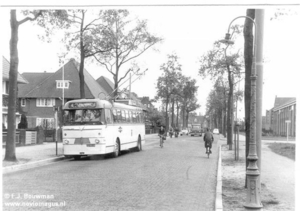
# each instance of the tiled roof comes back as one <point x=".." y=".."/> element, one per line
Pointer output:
<point x="45" y="87"/>
<point x="5" y="72"/>
<point x="95" y="88"/>
<point x="34" y="79"/>
<point x="280" y="101"/>
<point x="107" y="85"/>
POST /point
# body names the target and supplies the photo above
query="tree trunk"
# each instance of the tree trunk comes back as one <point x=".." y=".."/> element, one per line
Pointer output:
<point x="173" y="104"/>
<point x="229" y="112"/>
<point x="177" y="117"/>
<point x="115" y="93"/>
<point x="187" y="118"/>
<point x="167" y="116"/>
<point x="10" y="151"/>
<point x="82" y="56"/>
<point x="248" y="56"/>
<point x="81" y="75"/>
<point x="183" y="116"/>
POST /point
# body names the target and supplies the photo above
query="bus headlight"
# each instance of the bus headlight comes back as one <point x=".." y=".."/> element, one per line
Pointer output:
<point x="97" y="141"/>
<point x="66" y="141"/>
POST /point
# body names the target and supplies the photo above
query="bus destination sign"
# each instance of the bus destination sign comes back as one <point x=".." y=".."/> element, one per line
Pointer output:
<point x="83" y="105"/>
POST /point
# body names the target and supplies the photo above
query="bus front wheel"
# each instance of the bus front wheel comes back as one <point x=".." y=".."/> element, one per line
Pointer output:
<point x="116" y="149"/>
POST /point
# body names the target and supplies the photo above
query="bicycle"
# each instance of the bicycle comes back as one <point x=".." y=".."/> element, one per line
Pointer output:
<point x="208" y="151"/>
<point x="161" y="141"/>
<point x="208" y="148"/>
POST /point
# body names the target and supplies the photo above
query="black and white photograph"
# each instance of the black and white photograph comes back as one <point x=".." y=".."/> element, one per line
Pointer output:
<point x="155" y="106"/>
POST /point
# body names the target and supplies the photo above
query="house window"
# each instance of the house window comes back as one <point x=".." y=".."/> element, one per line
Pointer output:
<point x="45" y="102"/>
<point x="23" y="102"/>
<point x="45" y="123"/>
<point x="4" y="87"/>
<point x="62" y="84"/>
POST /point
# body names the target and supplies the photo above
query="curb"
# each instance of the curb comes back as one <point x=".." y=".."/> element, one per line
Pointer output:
<point x="218" y="202"/>
<point x="29" y="165"/>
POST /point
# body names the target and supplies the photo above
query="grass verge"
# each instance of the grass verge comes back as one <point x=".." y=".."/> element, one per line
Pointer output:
<point x="284" y="149"/>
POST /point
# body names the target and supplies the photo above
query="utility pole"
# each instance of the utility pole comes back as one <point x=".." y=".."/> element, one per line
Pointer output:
<point x="129" y="85"/>
<point x="253" y="201"/>
<point x="259" y="16"/>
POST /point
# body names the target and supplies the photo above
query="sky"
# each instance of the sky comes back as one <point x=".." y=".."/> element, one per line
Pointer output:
<point x="188" y="31"/>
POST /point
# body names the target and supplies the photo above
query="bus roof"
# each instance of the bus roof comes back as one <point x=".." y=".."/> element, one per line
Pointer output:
<point x="96" y="103"/>
<point x="121" y="105"/>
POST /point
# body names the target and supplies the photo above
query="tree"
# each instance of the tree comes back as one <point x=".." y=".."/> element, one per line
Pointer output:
<point x="216" y="104"/>
<point x="188" y="98"/>
<point x="87" y="38"/>
<point x="127" y="40"/>
<point x="166" y="84"/>
<point x="191" y="105"/>
<point x="155" y="117"/>
<point x="215" y="63"/>
<point x="41" y="16"/>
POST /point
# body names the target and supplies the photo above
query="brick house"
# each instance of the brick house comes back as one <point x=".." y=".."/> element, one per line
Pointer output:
<point x="284" y="111"/>
<point x="46" y="90"/>
<point x="5" y="92"/>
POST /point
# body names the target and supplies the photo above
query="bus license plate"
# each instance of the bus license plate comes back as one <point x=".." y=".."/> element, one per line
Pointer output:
<point x="90" y="145"/>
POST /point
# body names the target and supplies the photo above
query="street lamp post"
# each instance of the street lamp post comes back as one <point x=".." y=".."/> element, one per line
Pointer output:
<point x="253" y="201"/>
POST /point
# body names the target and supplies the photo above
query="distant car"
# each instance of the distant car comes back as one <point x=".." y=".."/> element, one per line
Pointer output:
<point x="216" y="131"/>
<point x="196" y="133"/>
<point x="184" y="132"/>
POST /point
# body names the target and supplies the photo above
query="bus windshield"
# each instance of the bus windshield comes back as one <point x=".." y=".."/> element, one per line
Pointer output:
<point x="84" y="117"/>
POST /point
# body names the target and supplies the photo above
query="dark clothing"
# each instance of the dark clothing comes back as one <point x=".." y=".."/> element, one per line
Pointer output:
<point x="207" y="144"/>
<point x="208" y="139"/>
<point x="208" y="136"/>
<point x="161" y="132"/>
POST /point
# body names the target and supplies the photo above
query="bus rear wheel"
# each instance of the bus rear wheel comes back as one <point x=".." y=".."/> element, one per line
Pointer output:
<point x="139" y="145"/>
<point x="116" y="152"/>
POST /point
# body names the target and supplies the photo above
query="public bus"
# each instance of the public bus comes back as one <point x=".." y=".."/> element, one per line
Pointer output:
<point x="99" y="127"/>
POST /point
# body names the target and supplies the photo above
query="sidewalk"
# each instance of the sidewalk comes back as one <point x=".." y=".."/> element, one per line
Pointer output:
<point x="36" y="155"/>
<point x="277" y="177"/>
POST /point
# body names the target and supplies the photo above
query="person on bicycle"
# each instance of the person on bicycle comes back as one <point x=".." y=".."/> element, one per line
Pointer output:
<point x="161" y="132"/>
<point x="208" y="139"/>
<point x="171" y="132"/>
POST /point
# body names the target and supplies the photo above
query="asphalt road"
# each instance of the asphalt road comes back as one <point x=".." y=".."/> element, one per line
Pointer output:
<point x="178" y="176"/>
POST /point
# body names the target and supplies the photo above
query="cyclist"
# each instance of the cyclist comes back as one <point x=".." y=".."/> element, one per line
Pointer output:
<point x="208" y="139"/>
<point x="171" y="132"/>
<point x="161" y="132"/>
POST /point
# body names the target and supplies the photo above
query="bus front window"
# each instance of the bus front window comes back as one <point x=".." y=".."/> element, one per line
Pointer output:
<point x="84" y="116"/>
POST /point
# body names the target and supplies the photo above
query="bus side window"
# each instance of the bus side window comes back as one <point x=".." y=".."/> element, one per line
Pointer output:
<point x="115" y="115"/>
<point x="133" y="116"/>
<point x="130" y="116"/>
<point x="127" y="116"/>
<point x="108" y="116"/>
<point x="119" y="116"/>
<point x="138" y="116"/>
<point x="123" y="116"/>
